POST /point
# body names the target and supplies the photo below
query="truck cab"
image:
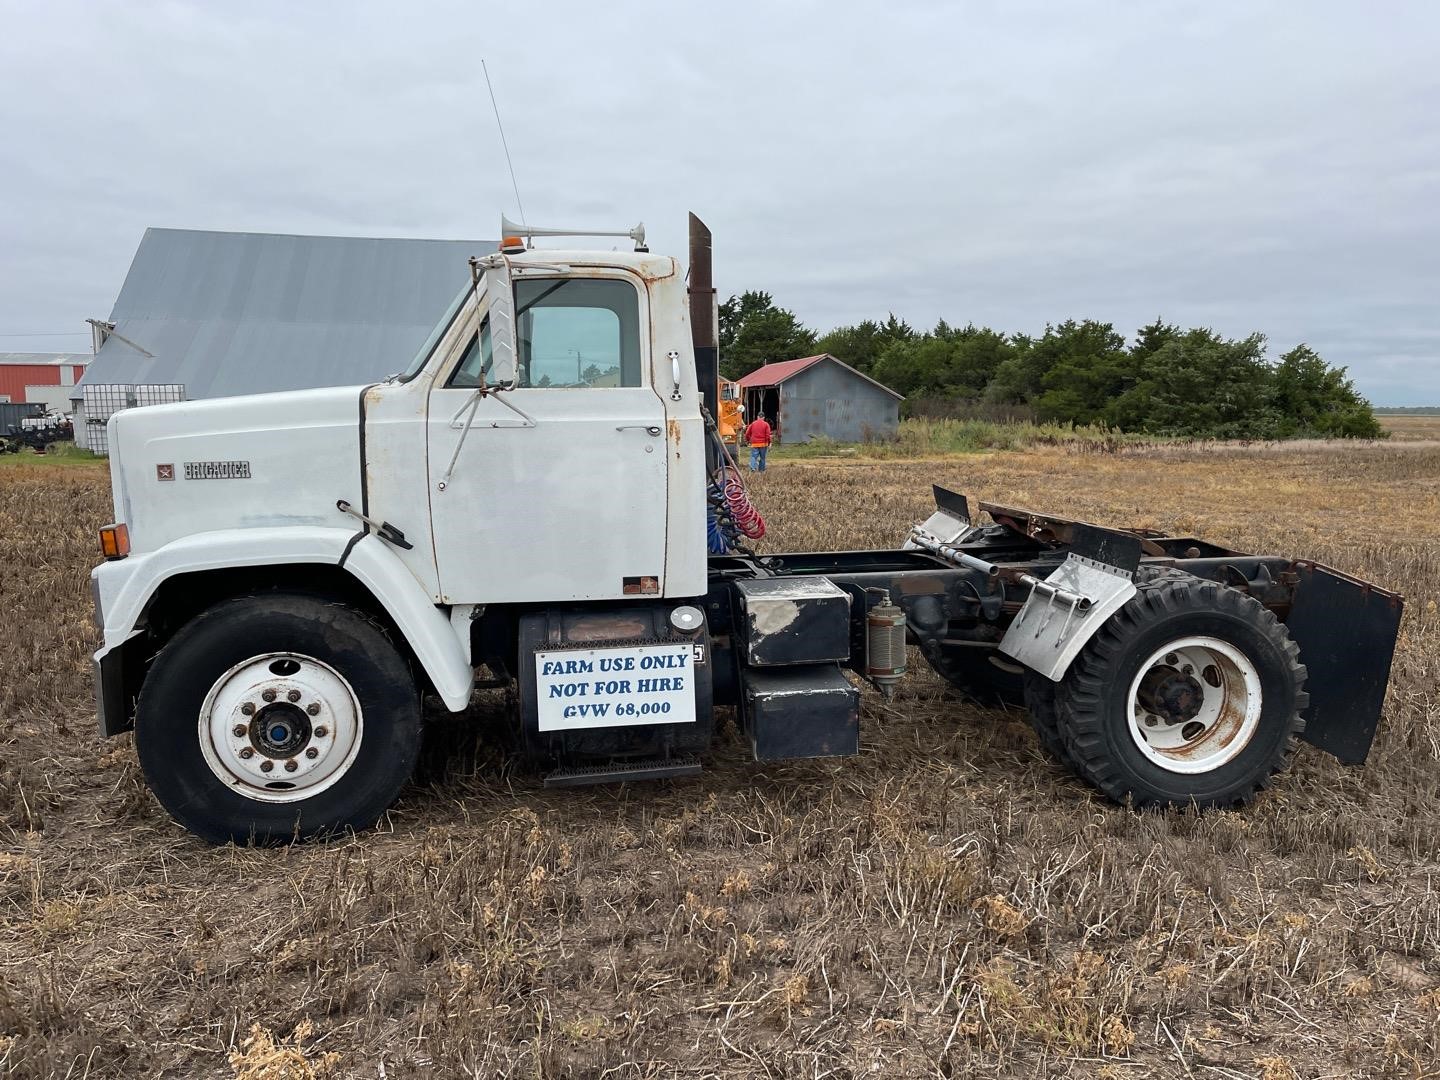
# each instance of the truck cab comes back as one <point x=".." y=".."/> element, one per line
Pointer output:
<point x="599" y="438"/>
<point x="574" y="477"/>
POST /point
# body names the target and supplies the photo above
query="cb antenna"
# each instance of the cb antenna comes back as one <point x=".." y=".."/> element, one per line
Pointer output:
<point x="504" y="145"/>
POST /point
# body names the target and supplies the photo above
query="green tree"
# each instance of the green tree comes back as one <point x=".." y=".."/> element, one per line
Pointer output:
<point x="1151" y="339"/>
<point x="862" y="345"/>
<point x="1310" y="397"/>
<point x="914" y="365"/>
<point x="948" y="363"/>
<point x="1201" y="385"/>
<point x="1168" y="381"/>
<point x="754" y="331"/>
<point x="977" y="352"/>
<point x="1073" y="371"/>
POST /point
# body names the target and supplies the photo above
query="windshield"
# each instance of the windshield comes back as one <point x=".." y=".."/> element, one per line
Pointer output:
<point x="436" y="334"/>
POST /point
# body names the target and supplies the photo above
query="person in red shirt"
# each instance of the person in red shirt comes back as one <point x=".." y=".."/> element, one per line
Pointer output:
<point x="758" y="434"/>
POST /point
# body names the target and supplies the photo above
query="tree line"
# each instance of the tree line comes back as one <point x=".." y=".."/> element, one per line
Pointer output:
<point x="1166" y="381"/>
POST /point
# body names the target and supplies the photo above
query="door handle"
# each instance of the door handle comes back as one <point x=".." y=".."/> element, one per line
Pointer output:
<point x="649" y="429"/>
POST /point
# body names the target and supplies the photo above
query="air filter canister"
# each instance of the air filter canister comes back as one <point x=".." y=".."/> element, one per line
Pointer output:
<point x="885" y="645"/>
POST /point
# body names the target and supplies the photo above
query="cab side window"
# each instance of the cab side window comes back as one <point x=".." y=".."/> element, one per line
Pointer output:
<point x="578" y="332"/>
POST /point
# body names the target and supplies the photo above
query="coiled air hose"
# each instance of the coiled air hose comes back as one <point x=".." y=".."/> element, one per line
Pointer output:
<point x="730" y="513"/>
<point x="742" y="510"/>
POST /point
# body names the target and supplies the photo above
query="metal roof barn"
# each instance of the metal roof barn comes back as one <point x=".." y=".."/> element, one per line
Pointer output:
<point x="821" y="397"/>
<point x="228" y="313"/>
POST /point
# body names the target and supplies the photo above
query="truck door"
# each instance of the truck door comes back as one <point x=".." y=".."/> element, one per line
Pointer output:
<point x="558" y="491"/>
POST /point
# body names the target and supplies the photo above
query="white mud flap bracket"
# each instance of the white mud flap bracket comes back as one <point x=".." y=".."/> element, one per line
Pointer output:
<point x="1064" y="612"/>
<point x="947" y="525"/>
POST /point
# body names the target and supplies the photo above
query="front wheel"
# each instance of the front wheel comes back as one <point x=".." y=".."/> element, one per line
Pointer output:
<point x="1191" y="694"/>
<point x="267" y="719"/>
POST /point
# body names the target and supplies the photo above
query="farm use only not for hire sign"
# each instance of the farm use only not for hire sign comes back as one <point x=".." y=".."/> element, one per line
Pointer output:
<point x="641" y="684"/>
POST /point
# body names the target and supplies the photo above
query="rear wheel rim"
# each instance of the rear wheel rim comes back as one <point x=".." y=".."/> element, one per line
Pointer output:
<point x="280" y="727"/>
<point x="1194" y="705"/>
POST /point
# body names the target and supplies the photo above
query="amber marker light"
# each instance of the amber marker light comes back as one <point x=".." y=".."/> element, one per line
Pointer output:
<point x="115" y="541"/>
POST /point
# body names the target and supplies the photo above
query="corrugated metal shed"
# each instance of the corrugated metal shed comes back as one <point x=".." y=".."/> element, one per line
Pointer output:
<point x="821" y="397"/>
<point x="244" y="313"/>
<point x="775" y="374"/>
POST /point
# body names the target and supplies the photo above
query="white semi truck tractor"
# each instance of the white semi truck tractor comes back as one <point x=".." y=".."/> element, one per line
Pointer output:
<point x="539" y="500"/>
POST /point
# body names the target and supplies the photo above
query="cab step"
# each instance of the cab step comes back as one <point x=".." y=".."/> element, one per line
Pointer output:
<point x="654" y="769"/>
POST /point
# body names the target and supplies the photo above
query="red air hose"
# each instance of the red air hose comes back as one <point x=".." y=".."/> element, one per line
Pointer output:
<point x="742" y="510"/>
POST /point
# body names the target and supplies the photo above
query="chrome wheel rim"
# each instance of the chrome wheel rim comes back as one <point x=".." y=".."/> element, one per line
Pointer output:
<point x="280" y="727"/>
<point x="1194" y="705"/>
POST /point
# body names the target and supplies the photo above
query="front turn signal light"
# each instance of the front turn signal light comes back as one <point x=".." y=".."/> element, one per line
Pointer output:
<point x="115" y="541"/>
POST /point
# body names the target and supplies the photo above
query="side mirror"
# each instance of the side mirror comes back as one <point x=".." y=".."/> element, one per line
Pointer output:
<point x="500" y="291"/>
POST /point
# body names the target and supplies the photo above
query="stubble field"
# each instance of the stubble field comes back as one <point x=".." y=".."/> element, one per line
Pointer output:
<point x="947" y="904"/>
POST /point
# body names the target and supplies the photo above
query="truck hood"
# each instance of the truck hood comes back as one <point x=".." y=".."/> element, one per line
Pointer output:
<point x="236" y="463"/>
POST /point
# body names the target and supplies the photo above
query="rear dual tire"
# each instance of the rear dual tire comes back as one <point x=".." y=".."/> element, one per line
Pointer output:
<point x="980" y="673"/>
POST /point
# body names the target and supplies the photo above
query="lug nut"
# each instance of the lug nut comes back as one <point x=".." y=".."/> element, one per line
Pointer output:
<point x="291" y="765"/>
<point x="268" y="695"/>
<point x="293" y="695"/>
<point x="240" y="731"/>
<point x="248" y="708"/>
<point x="266" y="765"/>
<point x="1171" y="658"/>
<point x="247" y="753"/>
<point x="312" y="753"/>
<point x="321" y="731"/>
<point x="313" y="708"/>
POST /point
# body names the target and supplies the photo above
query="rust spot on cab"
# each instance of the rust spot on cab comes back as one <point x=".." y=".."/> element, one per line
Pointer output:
<point x="671" y="270"/>
<point x="673" y="426"/>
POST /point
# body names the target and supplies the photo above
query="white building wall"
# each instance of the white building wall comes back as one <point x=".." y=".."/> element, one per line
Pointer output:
<point x="54" y="398"/>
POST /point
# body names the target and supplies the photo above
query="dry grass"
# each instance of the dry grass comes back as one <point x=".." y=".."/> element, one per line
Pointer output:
<point x="945" y="905"/>
<point x="1413" y="427"/>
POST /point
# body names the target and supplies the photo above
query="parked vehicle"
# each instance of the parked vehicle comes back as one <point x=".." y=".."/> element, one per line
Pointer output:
<point x="288" y="574"/>
<point x="36" y="429"/>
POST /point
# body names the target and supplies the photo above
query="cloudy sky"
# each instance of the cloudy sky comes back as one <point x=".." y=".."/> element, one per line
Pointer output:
<point x="1247" y="165"/>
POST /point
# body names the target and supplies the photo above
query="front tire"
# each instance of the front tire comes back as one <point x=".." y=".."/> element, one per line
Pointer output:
<point x="277" y="718"/>
<point x="1191" y="695"/>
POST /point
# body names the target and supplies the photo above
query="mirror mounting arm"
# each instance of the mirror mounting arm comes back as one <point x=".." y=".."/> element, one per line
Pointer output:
<point x="500" y="291"/>
<point x="494" y="270"/>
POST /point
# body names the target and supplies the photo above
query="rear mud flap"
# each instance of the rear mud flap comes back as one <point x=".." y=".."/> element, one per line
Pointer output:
<point x="1067" y="609"/>
<point x="1346" y="630"/>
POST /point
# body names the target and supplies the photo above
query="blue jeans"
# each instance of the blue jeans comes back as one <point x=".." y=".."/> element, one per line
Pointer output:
<point x="757" y="458"/>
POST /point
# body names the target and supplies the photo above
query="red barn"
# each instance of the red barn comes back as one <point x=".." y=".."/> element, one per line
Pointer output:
<point x="45" y="378"/>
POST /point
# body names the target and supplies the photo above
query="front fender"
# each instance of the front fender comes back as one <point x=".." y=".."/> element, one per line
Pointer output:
<point x="124" y="588"/>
